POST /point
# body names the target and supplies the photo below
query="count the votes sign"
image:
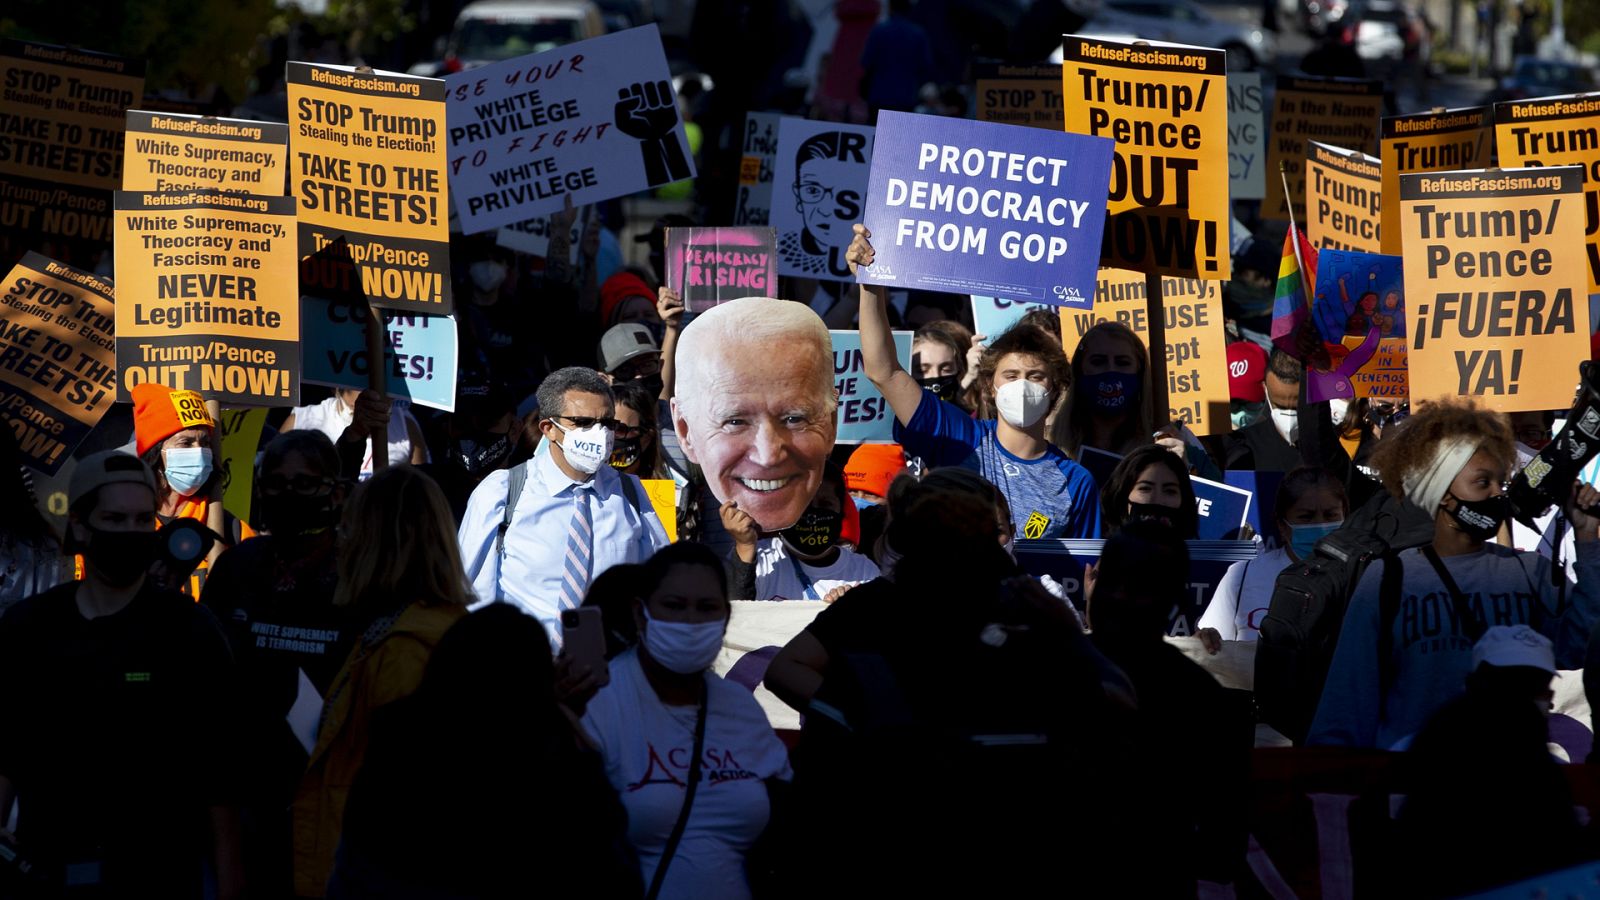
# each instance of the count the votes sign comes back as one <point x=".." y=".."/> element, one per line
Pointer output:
<point x="997" y="210"/>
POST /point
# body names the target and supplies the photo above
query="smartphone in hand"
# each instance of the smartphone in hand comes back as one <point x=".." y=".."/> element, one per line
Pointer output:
<point x="584" y="639"/>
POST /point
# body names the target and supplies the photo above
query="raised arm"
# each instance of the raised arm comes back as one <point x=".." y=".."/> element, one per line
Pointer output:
<point x="669" y="305"/>
<point x="877" y="343"/>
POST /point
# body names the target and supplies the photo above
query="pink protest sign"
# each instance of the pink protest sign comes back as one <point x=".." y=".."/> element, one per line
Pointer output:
<point x="708" y="266"/>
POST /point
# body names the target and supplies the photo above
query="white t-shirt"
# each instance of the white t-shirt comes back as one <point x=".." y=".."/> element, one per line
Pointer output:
<point x="332" y="417"/>
<point x="778" y="577"/>
<point x="1243" y="595"/>
<point x="646" y="746"/>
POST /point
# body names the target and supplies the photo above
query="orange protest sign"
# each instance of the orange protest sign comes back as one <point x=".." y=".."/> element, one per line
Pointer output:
<point x="207" y="298"/>
<point x="1495" y="303"/>
<point x="1342" y="112"/>
<point x="170" y="152"/>
<point x="1428" y="142"/>
<point x="1342" y="205"/>
<point x="1557" y="131"/>
<point x="1019" y="95"/>
<point x="1196" y="348"/>
<point x="1166" y="106"/>
<point x="368" y="165"/>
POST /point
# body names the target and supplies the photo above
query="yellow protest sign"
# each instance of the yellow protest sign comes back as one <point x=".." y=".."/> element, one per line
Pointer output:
<point x="664" y="500"/>
<point x="1441" y="141"/>
<point x="368" y="165"/>
<point x="1342" y="206"/>
<point x="1342" y="112"/>
<point x="241" y="435"/>
<point x="1196" y="348"/>
<point x="1557" y="131"/>
<point x="58" y="374"/>
<point x="169" y="152"/>
<point x="1019" y="95"/>
<point x="61" y="137"/>
<point x="1495" y="303"/>
<point x="207" y="296"/>
<point x="1166" y="106"/>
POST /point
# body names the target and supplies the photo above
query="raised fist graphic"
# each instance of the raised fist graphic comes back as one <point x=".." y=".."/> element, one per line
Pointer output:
<point x="648" y="111"/>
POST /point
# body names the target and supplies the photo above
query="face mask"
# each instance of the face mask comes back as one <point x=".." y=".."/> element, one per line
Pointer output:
<point x="1338" y="408"/>
<point x="1168" y="515"/>
<point x="1481" y="519"/>
<point x="487" y="275"/>
<point x="290" y="515"/>
<point x="1303" y="538"/>
<point x="587" y="449"/>
<point x="1022" y="403"/>
<point x="862" y="503"/>
<point x="186" y="468"/>
<point x="941" y="386"/>
<point x="1247" y="414"/>
<point x="120" y="557"/>
<point x="1111" y="392"/>
<point x="683" y="647"/>
<point x="482" y="453"/>
<point x="625" y="453"/>
<point x="652" y="383"/>
<point x="817" y="530"/>
<point x="1287" y="421"/>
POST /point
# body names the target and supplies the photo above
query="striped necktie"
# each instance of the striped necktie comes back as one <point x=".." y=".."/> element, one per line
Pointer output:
<point x="579" y="562"/>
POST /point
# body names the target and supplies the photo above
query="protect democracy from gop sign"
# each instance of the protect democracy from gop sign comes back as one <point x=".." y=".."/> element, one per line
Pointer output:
<point x="974" y="207"/>
<point x="595" y="120"/>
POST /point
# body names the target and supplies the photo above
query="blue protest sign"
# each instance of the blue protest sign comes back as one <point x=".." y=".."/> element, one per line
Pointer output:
<point x="1063" y="560"/>
<point x="992" y="316"/>
<point x="1263" y="486"/>
<point x="1223" y="509"/>
<point x="864" y="416"/>
<point x="421" y="351"/>
<point x="997" y="210"/>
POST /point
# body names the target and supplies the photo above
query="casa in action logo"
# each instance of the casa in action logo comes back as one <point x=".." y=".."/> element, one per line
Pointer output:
<point x="1066" y="292"/>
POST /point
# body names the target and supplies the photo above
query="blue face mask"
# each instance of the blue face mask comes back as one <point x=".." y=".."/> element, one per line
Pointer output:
<point x="862" y="504"/>
<point x="1303" y="538"/>
<point x="1112" y="392"/>
<point x="187" y="468"/>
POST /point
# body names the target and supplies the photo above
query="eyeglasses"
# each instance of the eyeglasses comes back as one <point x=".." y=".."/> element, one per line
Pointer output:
<point x="627" y="431"/>
<point x="813" y="193"/>
<point x="582" y="422"/>
<point x="304" y="485"/>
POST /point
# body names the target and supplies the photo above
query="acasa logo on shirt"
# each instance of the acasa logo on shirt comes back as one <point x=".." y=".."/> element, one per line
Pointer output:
<point x="1033" y="529"/>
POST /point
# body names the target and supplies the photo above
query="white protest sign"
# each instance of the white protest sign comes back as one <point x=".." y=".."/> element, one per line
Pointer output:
<point x="594" y="120"/>
<point x="1247" y="138"/>
<point x="757" y="630"/>
<point x="819" y="189"/>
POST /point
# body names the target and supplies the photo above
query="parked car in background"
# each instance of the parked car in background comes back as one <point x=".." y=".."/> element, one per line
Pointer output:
<point x="1388" y="35"/>
<point x="491" y="30"/>
<point x="1183" y="22"/>
<point x="1533" y="77"/>
<point x="1318" y="15"/>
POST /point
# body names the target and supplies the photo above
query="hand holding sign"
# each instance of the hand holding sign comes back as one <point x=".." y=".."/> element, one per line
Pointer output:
<point x="648" y="111"/>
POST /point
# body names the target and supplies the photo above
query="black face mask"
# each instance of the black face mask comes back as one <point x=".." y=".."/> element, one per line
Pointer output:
<point x="120" y="557"/>
<point x="288" y="514"/>
<point x="652" y="383"/>
<point x="817" y="530"/>
<point x="1167" y="515"/>
<point x="942" y="386"/>
<point x="624" y="452"/>
<point x="483" y="453"/>
<point x="1481" y="519"/>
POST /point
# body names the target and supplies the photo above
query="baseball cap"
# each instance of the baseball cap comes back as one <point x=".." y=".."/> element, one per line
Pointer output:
<point x="623" y="342"/>
<point x="108" y="467"/>
<point x="1514" y="645"/>
<point x="159" y="412"/>
<point x="1247" y="371"/>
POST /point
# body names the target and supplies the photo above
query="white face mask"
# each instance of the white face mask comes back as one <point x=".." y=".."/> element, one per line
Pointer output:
<point x="1287" y="421"/>
<point x="1022" y="403"/>
<point x="487" y="275"/>
<point x="1338" y="409"/>
<point x="587" y="449"/>
<point x="683" y="647"/>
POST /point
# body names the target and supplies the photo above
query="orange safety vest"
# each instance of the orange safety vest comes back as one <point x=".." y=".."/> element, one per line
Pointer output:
<point x="189" y="509"/>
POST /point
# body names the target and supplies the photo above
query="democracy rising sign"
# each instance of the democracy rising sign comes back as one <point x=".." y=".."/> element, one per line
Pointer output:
<point x="974" y="207"/>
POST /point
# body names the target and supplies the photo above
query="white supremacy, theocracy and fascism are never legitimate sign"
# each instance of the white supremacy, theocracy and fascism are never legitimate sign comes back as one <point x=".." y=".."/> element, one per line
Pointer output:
<point x="594" y="120"/>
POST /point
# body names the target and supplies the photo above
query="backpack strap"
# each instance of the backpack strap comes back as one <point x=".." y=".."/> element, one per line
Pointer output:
<point x="1389" y="584"/>
<point x="630" y="491"/>
<point x="517" y="478"/>
<point x="1471" y="621"/>
<point x="671" y="849"/>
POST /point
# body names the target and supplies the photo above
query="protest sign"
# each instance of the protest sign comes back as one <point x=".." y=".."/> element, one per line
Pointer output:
<point x="1557" y="131"/>
<point x="1495" y="285"/>
<point x="1019" y="95"/>
<point x="168" y="152"/>
<point x="1428" y="142"/>
<point x="993" y="316"/>
<point x="964" y="206"/>
<point x="759" y="155"/>
<point x="864" y="416"/>
<point x="1357" y="292"/>
<point x="663" y="494"/>
<point x="58" y="372"/>
<point x="1342" y="112"/>
<point x="532" y="236"/>
<point x="61" y="145"/>
<point x="368" y="166"/>
<point x="420" y="351"/>
<point x="1064" y="559"/>
<point x="1247" y="138"/>
<point x="708" y="266"/>
<point x="1100" y="463"/>
<point x="1263" y="488"/>
<point x="1221" y="509"/>
<point x="757" y="630"/>
<point x="819" y="189"/>
<point x="241" y="436"/>
<point x="1196" y="351"/>
<point x="207" y="299"/>
<point x="1342" y="198"/>
<point x="592" y="120"/>
<point x="1166" y="106"/>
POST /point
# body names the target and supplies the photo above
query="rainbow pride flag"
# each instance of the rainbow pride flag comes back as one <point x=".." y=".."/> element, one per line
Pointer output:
<point x="1297" y="279"/>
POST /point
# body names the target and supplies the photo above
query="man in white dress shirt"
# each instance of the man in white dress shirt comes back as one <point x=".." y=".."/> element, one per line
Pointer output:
<point x="573" y="517"/>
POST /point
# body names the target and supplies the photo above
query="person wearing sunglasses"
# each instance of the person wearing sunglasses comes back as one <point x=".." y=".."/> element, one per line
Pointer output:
<point x="537" y="534"/>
